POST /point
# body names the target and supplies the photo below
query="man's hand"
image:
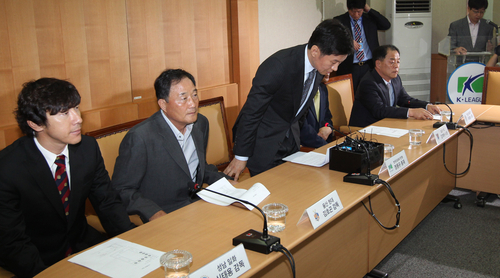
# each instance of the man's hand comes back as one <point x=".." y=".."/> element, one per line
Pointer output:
<point x="157" y="215"/>
<point x="356" y="45"/>
<point x="366" y="8"/>
<point x="420" y="114"/>
<point x="434" y="109"/>
<point x="460" y="50"/>
<point x="235" y="168"/>
<point x="324" y="132"/>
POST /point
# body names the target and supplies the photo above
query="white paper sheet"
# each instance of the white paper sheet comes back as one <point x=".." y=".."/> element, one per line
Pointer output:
<point x="310" y="159"/>
<point x="254" y="194"/>
<point x="384" y="131"/>
<point x="120" y="258"/>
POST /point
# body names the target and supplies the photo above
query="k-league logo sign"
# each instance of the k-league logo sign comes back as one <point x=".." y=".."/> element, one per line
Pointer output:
<point x="465" y="84"/>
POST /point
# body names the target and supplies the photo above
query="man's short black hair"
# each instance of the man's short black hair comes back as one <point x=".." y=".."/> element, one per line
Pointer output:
<point x="380" y="52"/>
<point x="331" y="37"/>
<point x="355" y="4"/>
<point x="168" y="78"/>
<point x="477" y="4"/>
<point x="42" y="96"/>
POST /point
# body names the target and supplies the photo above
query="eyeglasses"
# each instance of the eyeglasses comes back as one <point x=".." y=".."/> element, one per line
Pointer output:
<point x="478" y="11"/>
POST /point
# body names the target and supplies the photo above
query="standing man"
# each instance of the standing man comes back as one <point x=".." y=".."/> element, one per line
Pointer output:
<point x="314" y="133"/>
<point x="363" y="22"/>
<point x="471" y="33"/>
<point x="381" y="94"/>
<point x="267" y="128"/>
<point x="45" y="178"/>
<point x="162" y="157"/>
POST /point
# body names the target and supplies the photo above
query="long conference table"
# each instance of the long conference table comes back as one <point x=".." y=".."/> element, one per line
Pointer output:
<point x="350" y="244"/>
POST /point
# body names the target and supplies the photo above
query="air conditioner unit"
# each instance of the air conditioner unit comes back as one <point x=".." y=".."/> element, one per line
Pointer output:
<point x="411" y="32"/>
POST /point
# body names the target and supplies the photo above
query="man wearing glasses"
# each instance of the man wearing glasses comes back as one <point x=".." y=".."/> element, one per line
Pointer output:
<point x="472" y="33"/>
<point x="381" y="94"/>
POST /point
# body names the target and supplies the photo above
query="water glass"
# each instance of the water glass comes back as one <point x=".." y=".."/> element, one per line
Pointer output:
<point x="445" y="116"/>
<point x="388" y="149"/>
<point x="276" y="216"/>
<point x="416" y="136"/>
<point x="176" y="263"/>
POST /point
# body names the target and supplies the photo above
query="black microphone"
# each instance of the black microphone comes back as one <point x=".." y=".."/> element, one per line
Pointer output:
<point x="251" y="239"/>
<point x="492" y="23"/>
<point x="450" y="124"/>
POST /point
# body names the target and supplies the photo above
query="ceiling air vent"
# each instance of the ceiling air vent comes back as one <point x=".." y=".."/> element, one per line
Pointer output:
<point x="408" y="6"/>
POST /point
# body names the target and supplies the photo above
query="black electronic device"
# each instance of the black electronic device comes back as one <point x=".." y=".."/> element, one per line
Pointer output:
<point x="251" y="239"/>
<point x="351" y="156"/>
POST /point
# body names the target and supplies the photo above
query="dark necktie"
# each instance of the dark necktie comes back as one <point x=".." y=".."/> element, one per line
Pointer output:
<point x="62" y="183"/>
<point x="307" y="86"/>
<point x="357" y="36"/>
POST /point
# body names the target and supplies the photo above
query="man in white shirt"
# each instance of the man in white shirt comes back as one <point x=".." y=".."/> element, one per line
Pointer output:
<point x="45" y="179"/>
<point x="472" y="33"/>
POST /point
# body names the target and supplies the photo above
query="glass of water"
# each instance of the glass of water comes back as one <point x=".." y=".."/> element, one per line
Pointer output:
<point x="416" y="136"/>
<point x="276" y="216"/>
<point x="176" y="263"/>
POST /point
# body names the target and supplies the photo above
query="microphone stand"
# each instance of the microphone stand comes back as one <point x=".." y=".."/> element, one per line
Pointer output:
<point x="450" y="124"/>
<point x="251" y="239"/>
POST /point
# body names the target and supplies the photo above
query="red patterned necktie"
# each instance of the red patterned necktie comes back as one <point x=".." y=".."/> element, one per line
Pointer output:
<point x="62" y="183"/>
<point x="357" y="36"/>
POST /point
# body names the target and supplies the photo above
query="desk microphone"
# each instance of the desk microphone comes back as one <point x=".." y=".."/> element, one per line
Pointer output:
<point x="492" y="23"/>
<point x="450" y="124"/>
<point x="251" y="239"/>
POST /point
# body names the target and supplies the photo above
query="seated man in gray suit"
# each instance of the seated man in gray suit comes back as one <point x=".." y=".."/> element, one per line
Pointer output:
<point x="160" y="157"/>
<point x="471" y="33"/>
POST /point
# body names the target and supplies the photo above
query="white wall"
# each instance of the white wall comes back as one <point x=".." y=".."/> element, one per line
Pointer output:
<point x="285" y="23"/>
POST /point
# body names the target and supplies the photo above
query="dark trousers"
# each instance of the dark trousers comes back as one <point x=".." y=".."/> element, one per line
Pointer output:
<point x="358" y="71"/>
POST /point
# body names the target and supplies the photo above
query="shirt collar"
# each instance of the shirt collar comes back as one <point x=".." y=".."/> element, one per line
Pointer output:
<point x="468" y="20"/>
<point x="174" y="129"/>
<point x="49" y="156"/>
<point x="307" y="64"/>
<point x="359" y="21"/>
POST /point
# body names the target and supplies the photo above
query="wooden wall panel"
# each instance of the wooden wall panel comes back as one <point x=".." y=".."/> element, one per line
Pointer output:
<point x="113" y="50"/>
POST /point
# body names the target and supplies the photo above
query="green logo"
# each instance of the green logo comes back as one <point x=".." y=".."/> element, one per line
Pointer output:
<point x="473" y="84"/>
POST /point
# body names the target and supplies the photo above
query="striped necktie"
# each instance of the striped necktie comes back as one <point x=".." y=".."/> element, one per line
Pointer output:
<point x="62" y="183"/>
<point x="357" y="36"/>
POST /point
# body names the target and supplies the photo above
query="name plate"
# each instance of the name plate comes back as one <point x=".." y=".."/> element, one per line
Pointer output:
<point x="395" y="164"/>
<point x="232" y="264"/>
<point x="468" y="117"/>
<point x="322" y="210"/>
<point x="439" y="135"/>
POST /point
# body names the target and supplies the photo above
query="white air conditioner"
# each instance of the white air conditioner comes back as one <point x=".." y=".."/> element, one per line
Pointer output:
<point x="411" y="32"/>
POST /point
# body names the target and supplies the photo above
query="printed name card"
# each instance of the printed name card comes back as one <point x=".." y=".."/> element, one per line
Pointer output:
<point x="468" y="117"/>
<point x="232" y="264"/>
<point x="439" y="135"/>
<point x="322" y="210"/>
<point x="395" y="164"/>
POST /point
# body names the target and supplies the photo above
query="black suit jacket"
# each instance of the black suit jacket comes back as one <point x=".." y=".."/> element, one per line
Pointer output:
<point x="309" y="131"/>
<point x="372" y="22"/>
<point x="269" y="112"/>
<point x="34" y="231"/>
<point x="151" y="172"/>
<point x="372" y="103"/>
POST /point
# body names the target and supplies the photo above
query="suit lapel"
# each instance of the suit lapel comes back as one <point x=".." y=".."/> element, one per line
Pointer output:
<point x="76" y="163"/>
<point x="170" y="143"/>
<point x="38" y="168"/>
<point x="197" y="135"/>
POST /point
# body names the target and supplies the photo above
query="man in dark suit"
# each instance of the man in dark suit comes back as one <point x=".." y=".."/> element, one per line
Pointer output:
<point x="267" y="128"/>
<point x="471" y="33"/>
<point x="42" y="194"/>
<point x="369" y="22"/>
<point x="381" y="94"/>
<point x="162" y="156"/>
<point x="313" y="132"/>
